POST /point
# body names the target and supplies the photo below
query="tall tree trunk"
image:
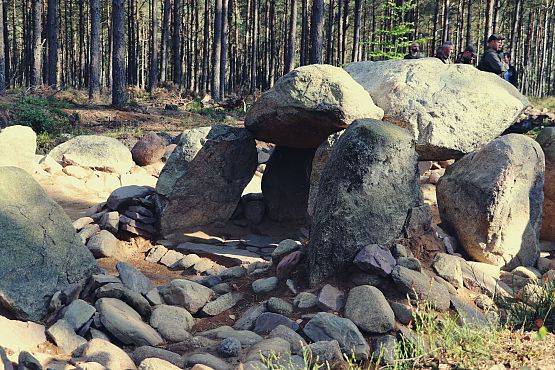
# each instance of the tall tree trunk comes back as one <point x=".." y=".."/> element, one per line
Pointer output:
<point x="2" y="51"/>
<point x="317" y="25"/>
<point x="345" y="29"/>
<point x="254" y="48"/>
<point x="165" y="40"/>
<point x="271" y="23"/>
<point x="205" y="80"/>
<point x="36" y="67"/>
<point x="329" y="42"/>
<point x="340" y="10"/>
<point x="356" y="31"/>
<point x="446" y="12"/>
<point x="94" y="78"/>
<point x="514" y="29"/>
<point x="469" y="22"/>
<point x="217" y="51"/>
<point x="153" y="71"/>
<point x="289" y="62"/>
<point x="224" y="41"/>
<point x="5" y="22"/>
<point x="435" y="27"/>
<point x="52" y="25"/>
<point x="119" y="98"/>
<point x="176" y="45"/>
<point x="488" y="30"/>
<point x="304" y="32"/>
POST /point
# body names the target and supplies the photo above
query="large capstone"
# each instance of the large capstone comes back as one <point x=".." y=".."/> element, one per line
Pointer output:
<point x="17" y="147"/>
<point x="209" y="188"/>
<point x="176" y="166"/>
<point x="40" y="252"/>
<point x="492" y="200"/>
<point x="286" y="183"/>
<point x="546" y="139"/>
<point x="451" y="110"/>
<point x="366" y="191"/>
<point x="94" y="151"/>
<point x="307" y="105"/>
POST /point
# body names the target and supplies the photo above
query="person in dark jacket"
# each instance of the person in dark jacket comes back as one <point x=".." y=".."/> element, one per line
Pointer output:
<point x="491" y="60"/>
<point x="468" y="56"/>
<point x="414" y="51"/>
<point x="444" y="52"/>
<point x="511" y="74"/>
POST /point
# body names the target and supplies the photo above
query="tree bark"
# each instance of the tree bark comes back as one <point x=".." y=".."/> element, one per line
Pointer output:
<point x="289" y="62"/>
<point x="317" y="25"/>
<point x="94" y="78"/>
<point x="224" y="41"/>
<point x="2" y="52"/>
<point x="217" y="51"/>
<point x="52" y="31"/>
<point x="356" y="31"/>
<point x="153" y="71"/>
<point x="36" y="67"/>
<point x="304" y="32"/>
<point x="119" y="99"/>
<point x="176" y="45"/>
<point x="488" y="30"/>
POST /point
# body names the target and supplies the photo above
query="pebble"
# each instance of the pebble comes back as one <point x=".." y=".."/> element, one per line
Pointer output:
<point x="280" y="306"/>
<point x="229" y="347"/>
<point x="265" y="285"/>
<point x="305" y="300"/>
<point x="331" y="298"/>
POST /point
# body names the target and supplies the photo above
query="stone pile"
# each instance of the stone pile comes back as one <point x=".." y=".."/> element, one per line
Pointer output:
<point x="129" y="211"/>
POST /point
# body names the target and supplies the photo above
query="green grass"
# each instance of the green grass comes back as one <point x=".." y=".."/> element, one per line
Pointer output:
<point x="548" y="103"/>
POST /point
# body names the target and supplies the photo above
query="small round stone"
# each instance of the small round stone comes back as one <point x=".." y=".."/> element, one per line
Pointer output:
<point x="229" y="347"/>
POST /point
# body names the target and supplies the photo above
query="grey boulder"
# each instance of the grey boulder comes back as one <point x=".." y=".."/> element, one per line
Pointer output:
<point x="366" y="192"/>
<point x="40" y="253"/>
<point x="367" y="307"/>
<point x="450" y="110"/>
<point x="492" y="200"/>
<point x="307" y="105"/>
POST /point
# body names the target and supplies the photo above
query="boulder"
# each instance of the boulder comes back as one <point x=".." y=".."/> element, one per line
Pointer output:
<point x="546" y="139"/>
<point x="157" y="364"/>
<point x="420" y="286"/>
<point x="375" y="259"/>
<point x="125" y="324"/>
<point x="286" y="183"/>
<point x="172" y="322"/>
<point x="318" y="163"/>
<point x="133" y="278"/>
<point x="37" y="242"/>
<point x="18" y="145"/>
<point x="367" y="307"/>
<point x="190" y="143"/>
<point x="307" y="105"/>
<point x="367" y="190"/>
<point x="222" y="303"/>
<point x="187" y="294"/>
<point x="326" y="326"/>
<point x="107" y="354"/>
<point x="126" y="195"/>
<point x="295" y="340"/>
<point x="94" y="151"/>
<point x="450" y="109"/>
<point x="211" y="186"/>
<point x="65" y="338"/>
<point x="103" y="244"/>
<point x="149" y="149"/>
<point x="492" y="200"/>
<point x="143" y="352"/>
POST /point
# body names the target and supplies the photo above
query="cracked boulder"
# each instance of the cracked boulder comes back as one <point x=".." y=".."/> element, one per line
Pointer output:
<point x="450" y="109"/>
<point x="307" y="105"/>
<point x="40" y="252"/>
<point x="492" y="200"/>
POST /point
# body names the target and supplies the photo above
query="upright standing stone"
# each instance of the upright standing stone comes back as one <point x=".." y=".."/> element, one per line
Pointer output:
<point x="492" y="199"/>
<point x="286" y="183"/>
<point x="210" y="188"/>
<point x="546" y="139"/>
<point x="18" y="145"/>
<point x="367" y="189"/>
<point x="40" y="253"/>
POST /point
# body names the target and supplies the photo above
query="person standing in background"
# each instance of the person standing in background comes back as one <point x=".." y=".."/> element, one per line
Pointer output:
<point x="511" y="74"/>
<point x="414" y="51"/>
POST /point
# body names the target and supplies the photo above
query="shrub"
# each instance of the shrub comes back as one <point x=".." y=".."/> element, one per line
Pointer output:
<point x="43" y="115"/>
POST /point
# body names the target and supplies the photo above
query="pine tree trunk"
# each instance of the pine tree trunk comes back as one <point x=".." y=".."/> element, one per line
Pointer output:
<point x="2" y="51"/>
<point x="52" y="25"/>
<point x="469" y="22"/>
<point x="119" y="98"/>
<point x="345" y="29"/>
<point x="153" y="71"/>
<point x="289" y="63"/>
<point x="36" y="67"/>
<point x="488" y="30"/>
<point x="94" y="78"/>
<point x="271" y="25"/>
<point x="356" y="31"/>
<point x="176" y="43"/>
<point x="254" y="48"/>
<point x="217" y="51"/>
<point x="224" y="41"/>
<point x="5" y="22"/>
<point x="330" y="39"/>
<point x="317" y="25"/>
<point x="446" y="12"/>
<point x="304" y="32"/>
